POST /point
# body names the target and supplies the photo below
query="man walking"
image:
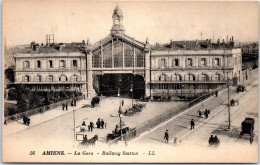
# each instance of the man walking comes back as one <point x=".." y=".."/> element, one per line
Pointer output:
<point x="216" y="93"/>
<point x="166" y="136"/>
<point x="192" y="124"/>
<point x="63" y="106"/>
<point x="91" y="126"/>
<point x="66" y="106"/>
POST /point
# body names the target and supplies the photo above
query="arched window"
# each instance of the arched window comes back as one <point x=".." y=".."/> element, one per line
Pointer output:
<point x="139" y="58"/>
<point x="204" y="77"/>
<point x="39" y="78"/>
<point x="129" y="55"/>
<point x="50" y="78"/>
<point x="26" y="78"/>
<point x="191" y="77"/>
<point x="96" y="59"/>
<point x="63" y="78"/>
<point x="75" y="78"/>
<point x="178" y="77"/>
<point x="217" y="77"/>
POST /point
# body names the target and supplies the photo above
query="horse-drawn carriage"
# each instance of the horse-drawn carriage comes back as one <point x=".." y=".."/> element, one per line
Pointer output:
<point x="83" y="139"/>
<point x="117" y="132"/>
<point x="247" y="127"/>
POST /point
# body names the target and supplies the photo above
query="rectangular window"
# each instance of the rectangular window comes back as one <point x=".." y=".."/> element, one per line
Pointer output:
<point x="62" y="64"/>
<point x="27" y="64"/>
<point x="75" y="64"/>
<point x="217" y="62"/>
<point x="189" y="62"/>
<point x="50" y="64"/>
<point x="38" y="64"/>
<point x="203" y="62"/>
<point x="163" y="62"/>
<point x="176" y="62"/>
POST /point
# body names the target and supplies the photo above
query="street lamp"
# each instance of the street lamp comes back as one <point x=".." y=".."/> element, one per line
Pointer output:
<point x="181" y="89"/>
<point x="120" y="118"/>
<point x="132" y="91"/>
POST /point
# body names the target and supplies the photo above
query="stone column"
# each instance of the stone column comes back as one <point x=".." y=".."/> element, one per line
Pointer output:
<point x="147" y="75"/>
<point x="90" y="91"/>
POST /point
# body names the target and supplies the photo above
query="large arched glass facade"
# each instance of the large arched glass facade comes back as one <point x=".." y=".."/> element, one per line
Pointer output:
<point x="118" y="53"/>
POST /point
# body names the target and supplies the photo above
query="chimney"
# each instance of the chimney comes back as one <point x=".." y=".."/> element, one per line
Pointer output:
<point x="61" y="45"/>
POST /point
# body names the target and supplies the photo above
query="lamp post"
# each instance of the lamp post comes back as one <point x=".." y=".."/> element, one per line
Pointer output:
<point x="74" y="101"/>
<point x="132" y="92"/>
<point x="121" y="133"/>
<point x="229" y="123"/>
<point x="181" y="89"/>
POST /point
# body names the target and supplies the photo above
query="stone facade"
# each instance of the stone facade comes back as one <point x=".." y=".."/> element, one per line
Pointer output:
<point x="177" y="68"/>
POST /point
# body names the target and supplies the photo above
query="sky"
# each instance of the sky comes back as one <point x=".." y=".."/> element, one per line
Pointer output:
<point x="73" y="21"/>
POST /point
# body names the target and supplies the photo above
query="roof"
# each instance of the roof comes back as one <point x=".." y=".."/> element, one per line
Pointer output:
<point x="54" y="48"/>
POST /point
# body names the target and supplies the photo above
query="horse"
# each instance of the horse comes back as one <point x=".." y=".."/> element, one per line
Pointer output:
<point x="92" y="141"/>
<point x="96" y="100"/>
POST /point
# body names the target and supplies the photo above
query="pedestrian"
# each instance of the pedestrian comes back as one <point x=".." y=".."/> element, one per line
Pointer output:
<point x="63" y="106"/>
<point x="85" y="139"/>
<point x="102" y="123"/>
<point x="211" y="140"/>
<point x="98" y="123"/>
<point x="192" y="124"/>
<point x="91" y="126"/>
<point x="206" y="113"/>
<point x="216" y="141"/>
<point x="200" y="113"/>
<point x="216" y="93"/>
<point x="66" y="106"/>
<point x="122" y="102"/>
<point x="251" y="139"/>
<point x="166" y="136"/>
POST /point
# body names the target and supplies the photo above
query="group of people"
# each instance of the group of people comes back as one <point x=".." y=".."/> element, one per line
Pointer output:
<point x="100" y="124"/>
<point x="206" y="113"/>
<point x="90" y="126"/>
<point x="65" y="106"/>
<point x="214" y="141"/>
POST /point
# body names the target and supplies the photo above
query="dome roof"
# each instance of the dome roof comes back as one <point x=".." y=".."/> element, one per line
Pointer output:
<point x="118" y="12"/>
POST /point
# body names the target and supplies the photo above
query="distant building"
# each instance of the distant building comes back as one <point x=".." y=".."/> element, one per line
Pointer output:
<point x="119" y="64"/>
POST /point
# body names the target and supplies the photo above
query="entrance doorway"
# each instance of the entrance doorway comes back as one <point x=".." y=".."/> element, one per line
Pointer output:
<point x="114" y="84"/>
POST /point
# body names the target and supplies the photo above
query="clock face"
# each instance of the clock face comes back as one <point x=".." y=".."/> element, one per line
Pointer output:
<point x="117" y="21"/>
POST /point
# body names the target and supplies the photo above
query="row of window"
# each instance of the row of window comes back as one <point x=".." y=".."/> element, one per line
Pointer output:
<point x="62" y="64"/>
<point x="189" y="62"/>
<point x="61" y="86"/>
<point x="184" y="86"/>
<point x="190" y="77"/>
<point x="50" y="78"/>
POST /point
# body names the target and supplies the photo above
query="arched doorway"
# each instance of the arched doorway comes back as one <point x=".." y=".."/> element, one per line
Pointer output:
<point x="112" y="84"/>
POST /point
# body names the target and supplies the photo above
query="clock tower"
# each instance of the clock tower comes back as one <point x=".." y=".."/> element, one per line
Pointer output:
<point x="117" y="27"/>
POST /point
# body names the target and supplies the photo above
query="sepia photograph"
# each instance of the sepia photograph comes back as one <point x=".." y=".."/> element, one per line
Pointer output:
<point x="89" y="81"/>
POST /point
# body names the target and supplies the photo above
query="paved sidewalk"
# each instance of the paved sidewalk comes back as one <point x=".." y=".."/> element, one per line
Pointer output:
<point x="17" y="126"/>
